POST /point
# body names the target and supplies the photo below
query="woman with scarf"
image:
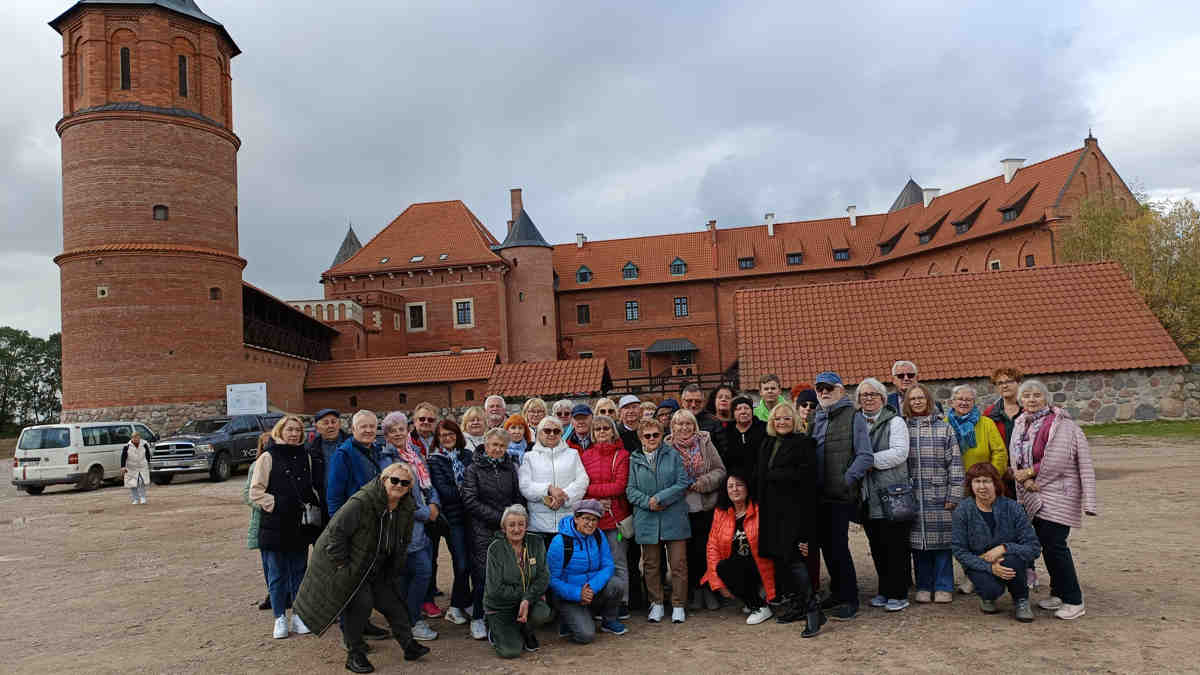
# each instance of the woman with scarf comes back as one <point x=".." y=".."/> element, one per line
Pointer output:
<point x="474" y="426"/>
<point x="935" y="465"/>
<point x="978" y="439"/>
<point x="1052" y="466"/>
<point x="489" y="486"/>
<point x="448" y="462"/>
<point x="707" y="472"/>
<point x="607" y="465"/>
<point x="520" y="438"/>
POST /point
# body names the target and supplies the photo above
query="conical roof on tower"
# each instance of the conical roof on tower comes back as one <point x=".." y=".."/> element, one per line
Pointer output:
<point x="523" y="233"/>
<point x="350" y="246"/>
<point x="909" y="195"/>
<point x="187" y="8"/>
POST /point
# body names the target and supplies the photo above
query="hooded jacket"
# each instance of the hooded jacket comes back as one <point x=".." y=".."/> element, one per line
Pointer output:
<point x="506" y="584"/>
<point x="591" y="561"/>
<point x="542" y="467"/>
<point x="607" y="466"/>
<point x="351" y="466"/>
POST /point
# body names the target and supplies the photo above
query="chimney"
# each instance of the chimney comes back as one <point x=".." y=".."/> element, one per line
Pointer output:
<point x="928" y="195"/>
<point x="852" y="210"/>
<point x="769" y="219"/>
<point x="1010" y="168"/>
<point x="580" y="239"/>
<point x="712" y="229"/>
<point x="517" y="207"/>
<point x="510" y="224"/>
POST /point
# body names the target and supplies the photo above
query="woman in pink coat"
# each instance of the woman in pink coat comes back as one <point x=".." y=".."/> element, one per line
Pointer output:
<point x="1052" y="467"/>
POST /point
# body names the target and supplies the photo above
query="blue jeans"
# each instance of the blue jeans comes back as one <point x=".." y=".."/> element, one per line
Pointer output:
<point x="989" y="586"/>
<point x="285" y="571"/>
<point x="935" y="572"/>
<point x="266" y="574"/>
<point x="414" y="583"/>
<point x="460" y="556"/>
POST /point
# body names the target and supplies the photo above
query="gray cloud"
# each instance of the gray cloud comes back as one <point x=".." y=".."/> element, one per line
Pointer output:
<point x="624" y="118"/>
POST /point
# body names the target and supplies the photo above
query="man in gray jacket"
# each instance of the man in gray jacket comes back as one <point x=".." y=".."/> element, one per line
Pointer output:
<point x="844" y="456"/>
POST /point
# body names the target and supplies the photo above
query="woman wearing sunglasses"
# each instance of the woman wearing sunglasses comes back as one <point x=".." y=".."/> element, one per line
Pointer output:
<point x="356" y="562"/>
<point x="552" y="478"/>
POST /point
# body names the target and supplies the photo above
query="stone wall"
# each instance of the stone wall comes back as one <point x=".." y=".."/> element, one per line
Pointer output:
<point x="1138" y="395"/>
<point x="162" y="418"/>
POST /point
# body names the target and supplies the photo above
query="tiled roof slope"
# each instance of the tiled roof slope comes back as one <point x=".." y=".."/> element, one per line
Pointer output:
<point x="400" y="370"/>
<point x="546" y="378"/>
<point x="429" y="229"/>
<point x="1063" y="318"/>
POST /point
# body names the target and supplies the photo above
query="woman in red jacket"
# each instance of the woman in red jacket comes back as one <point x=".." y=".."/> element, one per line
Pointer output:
<point x="734" y="566"/>
<point x="607" y="464"/>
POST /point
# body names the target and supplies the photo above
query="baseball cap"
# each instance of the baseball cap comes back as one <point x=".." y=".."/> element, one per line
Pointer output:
<point x="325" y="411"/>
<point x="829" y="377"/>
<point x="581" y="409"/>
<point x="628" y="399"/>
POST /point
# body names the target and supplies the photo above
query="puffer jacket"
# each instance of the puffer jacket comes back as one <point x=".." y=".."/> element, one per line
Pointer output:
<point x="720" y="547"/>
<point x="667" y="480"/>
<point x="607" y="467"/>
<point x="708" y="485"/>
<point x="591" y="561"/>
<point x="487" y="489"/>
<point x="972" y="536"/>
<point x="542" y="467"/>
<point x="1066" y="478"/>
<point x="441" y="472"/>
<point x="362" y="535"/>
<point x="351" y="466"/>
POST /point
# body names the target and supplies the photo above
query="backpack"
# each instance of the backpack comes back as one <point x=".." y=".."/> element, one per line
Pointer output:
<point x="569" y="546"/>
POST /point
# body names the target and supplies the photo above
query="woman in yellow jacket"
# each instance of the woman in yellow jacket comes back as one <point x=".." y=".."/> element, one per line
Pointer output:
<point x="978" y="438"/>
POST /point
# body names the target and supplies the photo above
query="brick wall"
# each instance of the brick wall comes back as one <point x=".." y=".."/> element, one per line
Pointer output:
<point x="531" y="316"/>
<point x="283" y="374"/>
<point x="398" y="397"/>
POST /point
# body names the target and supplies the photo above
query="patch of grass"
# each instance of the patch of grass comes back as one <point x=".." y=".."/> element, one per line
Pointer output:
<point x="1161" y="429"/>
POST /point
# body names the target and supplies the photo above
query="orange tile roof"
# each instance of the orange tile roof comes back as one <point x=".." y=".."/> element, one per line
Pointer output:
<point x="1065" y="318"/>
<point x="548" y="378"/>
<point x="429" y="230"/>
<point x="400" y="370"/>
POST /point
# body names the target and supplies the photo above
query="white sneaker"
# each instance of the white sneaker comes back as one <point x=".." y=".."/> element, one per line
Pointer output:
<point x="478" y="629"/>
<point x="280" y="628"/>
<point x="133" y="500"/>
<point x="656" y="613"/>
<point x="1051" y="603"/>
<point x="142" y="501"/>
<point x="455" y="616"/>
<point x="298" y="626"/>
<point x="762" y="614"/>
<point x="678" y="615"/>
<point x="1068" y="612"/>
<point x="422" y="631"/>
<point x="967" y="587"/>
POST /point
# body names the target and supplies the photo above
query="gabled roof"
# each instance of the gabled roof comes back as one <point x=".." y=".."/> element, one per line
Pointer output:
<point x="350" y="246"/>
<point x="550" y="378"/>
<point x="523" y="233"/>
<point x="910" y="194"/>
<point x="1071" y="318"/>
<point x="187" y="8"/>
<point x="393" y="370"/>
<point x="419" y="237"/>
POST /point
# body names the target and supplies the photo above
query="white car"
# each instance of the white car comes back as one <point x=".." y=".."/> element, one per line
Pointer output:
<point x="84" y="454"/>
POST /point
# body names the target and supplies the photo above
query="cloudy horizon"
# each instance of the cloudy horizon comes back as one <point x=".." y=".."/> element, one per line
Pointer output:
<point x="624" y="119"/>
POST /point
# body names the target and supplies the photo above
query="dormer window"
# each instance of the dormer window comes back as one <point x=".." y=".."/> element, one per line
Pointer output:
<point x="444" y="256"/>
<point x="924" y="237"/>
<point x="629" y="271"/>
<point x="841" y="254"/>
<point x="678" y="267"/>
<point x="384" y="260"/>
<point x="745" y="263"/>
<point x="795" y="258"/>
<point x="961" y="228"/>
<point x="583" y="275"/>
<point x="416" y="259"/>
<point x="1009" y="214"/>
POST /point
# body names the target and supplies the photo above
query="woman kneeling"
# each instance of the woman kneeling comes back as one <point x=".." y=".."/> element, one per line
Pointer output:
<point x="516" y="582"/>
<point x="735" y="568"/>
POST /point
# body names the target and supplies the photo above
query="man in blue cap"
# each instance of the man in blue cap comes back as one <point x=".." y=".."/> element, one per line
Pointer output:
<point x="844" y="455"/>
<point x="581" y="427"/>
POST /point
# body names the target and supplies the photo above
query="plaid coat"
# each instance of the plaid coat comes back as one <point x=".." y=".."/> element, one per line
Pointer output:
<point x="935" y="465"/>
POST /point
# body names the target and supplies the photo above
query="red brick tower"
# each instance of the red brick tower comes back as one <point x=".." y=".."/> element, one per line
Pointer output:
<point x="151" y="277"/>
<point x="532" y="311"/>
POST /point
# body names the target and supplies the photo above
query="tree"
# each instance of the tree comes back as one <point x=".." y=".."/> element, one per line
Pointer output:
<point x="30" y="378"/>
<point x="1158" y="245"/>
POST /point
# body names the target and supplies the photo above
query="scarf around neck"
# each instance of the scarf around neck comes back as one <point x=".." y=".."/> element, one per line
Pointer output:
<point x="964" y="427"/>
<point x="1032" y="441"/>
<point x="411" y="455"/>
<point x="693" y="459"/>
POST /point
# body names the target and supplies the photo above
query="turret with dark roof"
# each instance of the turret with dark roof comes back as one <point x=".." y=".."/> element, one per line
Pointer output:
<point x="523" y="233"/>
<point x="187" y="8"/>
<point x="350" y="246"/>
<point x="911" y="194"/>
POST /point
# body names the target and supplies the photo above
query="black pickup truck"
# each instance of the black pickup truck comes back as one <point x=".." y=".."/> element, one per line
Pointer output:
<point x="214" y="446"/>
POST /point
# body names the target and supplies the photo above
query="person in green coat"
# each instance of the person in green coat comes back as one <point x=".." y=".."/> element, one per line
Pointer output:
<point x="355" y="564"/>
<point x="770" y="390"/>
<point x="515" y="587"/>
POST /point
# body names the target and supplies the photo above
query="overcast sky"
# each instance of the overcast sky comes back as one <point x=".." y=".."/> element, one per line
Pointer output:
<point x="622" y="118"/>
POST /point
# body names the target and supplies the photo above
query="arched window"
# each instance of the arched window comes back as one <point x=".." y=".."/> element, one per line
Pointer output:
<point x="161" y="212"/>
<point x="583" y="275"/>
<point x="629" y="271"/>
<point x="183" y="76"/>
<point x="125" y="68"/>
<point x="678" y="266"/>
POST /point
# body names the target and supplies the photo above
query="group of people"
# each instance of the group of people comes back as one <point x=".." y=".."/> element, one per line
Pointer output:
<point x="582" y="514"/>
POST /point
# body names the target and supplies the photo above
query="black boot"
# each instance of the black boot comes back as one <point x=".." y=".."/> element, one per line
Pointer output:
<point x="414" y="650"/>
<point x="785" y="609"/>
<point x="813" y="619"/>
<point x="265" y="604"/>
<point x="356" y="662"/>
<point x="373" y="632"/>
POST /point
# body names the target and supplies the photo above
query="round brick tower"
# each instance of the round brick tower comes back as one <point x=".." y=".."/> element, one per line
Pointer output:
<point x="532" y="311"/>
<point x="150" y="272"/>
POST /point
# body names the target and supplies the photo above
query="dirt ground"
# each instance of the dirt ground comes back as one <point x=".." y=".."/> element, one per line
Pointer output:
<point x="94" y="584"/>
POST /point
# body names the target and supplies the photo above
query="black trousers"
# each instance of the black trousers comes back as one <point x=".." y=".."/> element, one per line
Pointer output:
<point x="638" y="598"/>
<point x="379" y="593"/>
<point x="990" y="586"/>
<point x="889" y="551"/>
<point x="791" y="575"/>
<point x="697" y="547"/>
<point x="833" y="525"/>
<point x="1064" y="583"/>
<point x="740" y="575"/>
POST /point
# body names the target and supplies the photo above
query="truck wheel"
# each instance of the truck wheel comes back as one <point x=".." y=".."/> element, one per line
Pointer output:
<point x="34" y="489"/>
<point x="220" y="468"/>
<point x="162" y="478"/>
<point x="94" y="479"/>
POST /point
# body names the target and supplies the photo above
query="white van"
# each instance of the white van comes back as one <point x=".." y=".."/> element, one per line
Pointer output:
<point x="84" y="454"/>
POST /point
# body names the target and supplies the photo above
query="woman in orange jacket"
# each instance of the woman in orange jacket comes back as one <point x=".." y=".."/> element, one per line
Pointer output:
<point x="734" y="566"/>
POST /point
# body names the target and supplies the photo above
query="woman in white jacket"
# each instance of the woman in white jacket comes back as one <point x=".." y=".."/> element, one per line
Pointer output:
<point x="552" y="478"/>
<point x="135" y="467"/>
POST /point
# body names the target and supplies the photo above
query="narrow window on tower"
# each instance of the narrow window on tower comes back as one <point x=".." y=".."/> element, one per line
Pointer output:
<point x="79" y="74"/>
<point x="161" y="212"/>
<point x="125" y="68"/>
<point x="183" y="76"/>
<point x="214" y="293"/>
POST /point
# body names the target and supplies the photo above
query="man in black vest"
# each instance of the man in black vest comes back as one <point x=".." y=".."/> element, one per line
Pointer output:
<point x="844" y="456"/>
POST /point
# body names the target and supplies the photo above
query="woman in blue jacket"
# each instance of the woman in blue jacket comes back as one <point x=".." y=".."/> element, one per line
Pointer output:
<point x="581" y="575"/>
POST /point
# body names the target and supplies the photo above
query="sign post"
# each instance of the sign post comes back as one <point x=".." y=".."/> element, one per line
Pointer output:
<point x="246" y="399"/>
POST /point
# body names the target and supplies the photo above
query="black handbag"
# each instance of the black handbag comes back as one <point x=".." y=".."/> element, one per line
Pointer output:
<point x="899" y="502"/>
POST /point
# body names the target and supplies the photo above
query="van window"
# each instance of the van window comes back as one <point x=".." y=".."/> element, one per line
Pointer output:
<point x="145" y="432"/>
<point x="45" y="439"/>
<point x="118" y="433"/>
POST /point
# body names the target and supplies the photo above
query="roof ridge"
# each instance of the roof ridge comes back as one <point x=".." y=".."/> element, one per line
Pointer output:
<point x="403" y="356"/>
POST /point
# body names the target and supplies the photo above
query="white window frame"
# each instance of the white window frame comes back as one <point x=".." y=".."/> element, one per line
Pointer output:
<point x="994" y="265"/>
<point x="454" y="313"/>
<point x="408" y="317"/>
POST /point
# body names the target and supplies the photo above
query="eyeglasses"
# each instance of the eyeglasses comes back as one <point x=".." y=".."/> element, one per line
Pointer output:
<point x="426" y="419"/>
<point x="399" y="481"/>
<point x="563" y="415"/>
<point x="824" y="388"/>
<point x="651" y="435"/>
<point x="607" y="412"/>
<point x="806" y="404"/>
<point x="869" y="395"/>
<point x="907" y="376"/>
<point x="552" y="431"/>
